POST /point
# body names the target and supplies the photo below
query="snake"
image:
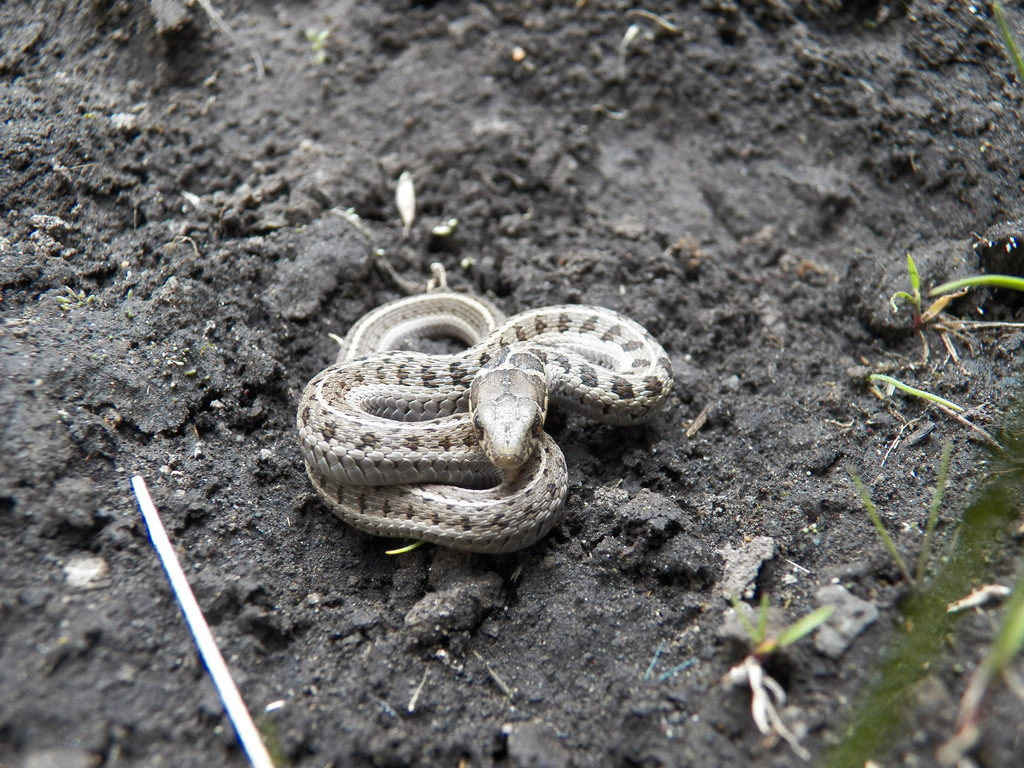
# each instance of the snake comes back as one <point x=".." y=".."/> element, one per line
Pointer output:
<point x="450" y="448"/>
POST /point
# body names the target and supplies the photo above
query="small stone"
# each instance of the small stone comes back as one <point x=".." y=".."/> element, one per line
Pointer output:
<point x="125" y="122"/>
<point x="86" y="572"/>
<point x="852" y="616"/>
<point x="742" y="565"/>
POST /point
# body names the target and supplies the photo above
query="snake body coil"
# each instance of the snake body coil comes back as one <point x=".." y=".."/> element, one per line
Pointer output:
<point x="450" y="448"/>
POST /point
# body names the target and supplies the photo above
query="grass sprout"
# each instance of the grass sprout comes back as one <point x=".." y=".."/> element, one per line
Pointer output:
<point x="910" y="654"/>
<point x="914" y="297"/>
<point x="405" y="549"/>
<point x="876" y="520"/>
<point x="943" y="295"/>
<point x="947" y="406"/>
<point x="765" y="645"/>
<point x="921" y="318"/>
<point x="929" y="530"/>
<point x="988" y="281"/>
<point x="767" y="695"/>
<point x="1011" y="634"/>
<point x="890" y="381"/>
<point x="317" y="39"/>
<point x="1009" y="40"/>
<point x="995" y="666"/>
<point x="933" y="511"/>
<point x="72" y="299"/>
<point x="800" y="628"/>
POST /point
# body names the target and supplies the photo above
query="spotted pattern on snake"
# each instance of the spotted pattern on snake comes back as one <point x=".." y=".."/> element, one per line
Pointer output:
<point x="450" y="448"/>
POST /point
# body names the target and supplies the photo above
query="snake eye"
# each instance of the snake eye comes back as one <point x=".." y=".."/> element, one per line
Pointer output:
<point x="477" y="424"/>
<point x="538" y="426"/>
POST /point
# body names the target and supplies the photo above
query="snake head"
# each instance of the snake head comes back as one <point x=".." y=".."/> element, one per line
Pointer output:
<point x="508" y="400"/>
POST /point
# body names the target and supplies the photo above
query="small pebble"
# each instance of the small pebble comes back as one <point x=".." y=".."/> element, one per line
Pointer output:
<point x="86" y="572"/>
<point x="852" y="616"/>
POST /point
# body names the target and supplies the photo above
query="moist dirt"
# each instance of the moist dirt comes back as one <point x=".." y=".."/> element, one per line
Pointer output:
<point x="188" y="213"/>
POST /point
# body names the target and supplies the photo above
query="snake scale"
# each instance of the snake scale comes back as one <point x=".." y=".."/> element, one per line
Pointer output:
<point x="450" y="448"/>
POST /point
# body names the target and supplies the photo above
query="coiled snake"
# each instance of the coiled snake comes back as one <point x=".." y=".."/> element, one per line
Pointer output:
<point x="450" y="448"/>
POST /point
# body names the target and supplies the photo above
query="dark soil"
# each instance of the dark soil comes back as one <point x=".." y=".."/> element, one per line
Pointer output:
<point x="745" y="184"/>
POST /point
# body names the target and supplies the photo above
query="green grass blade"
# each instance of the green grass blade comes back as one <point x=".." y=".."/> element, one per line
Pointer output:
<point x="933" y="511"/>
<point x="762" y="620"/>
<point x="805" y="626"/>
<point x="915" y="286"/>
<point x="1011" y="634"/>
<point x="1009" y="39"/>
<point x="915" y="278"/>
<point x="405" y="549"/>
<point x="751" y="631"/>
<point x="882" y="712"/>
<point x="901" y="295"/>
<point x="914" y="391"/>
<point x="989" y="281"/>
<point x="876" y="520"/>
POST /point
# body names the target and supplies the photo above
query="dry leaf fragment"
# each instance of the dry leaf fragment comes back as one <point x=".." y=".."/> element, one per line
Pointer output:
<point x="405" y="199"/>
<point x="978" y="597"/>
